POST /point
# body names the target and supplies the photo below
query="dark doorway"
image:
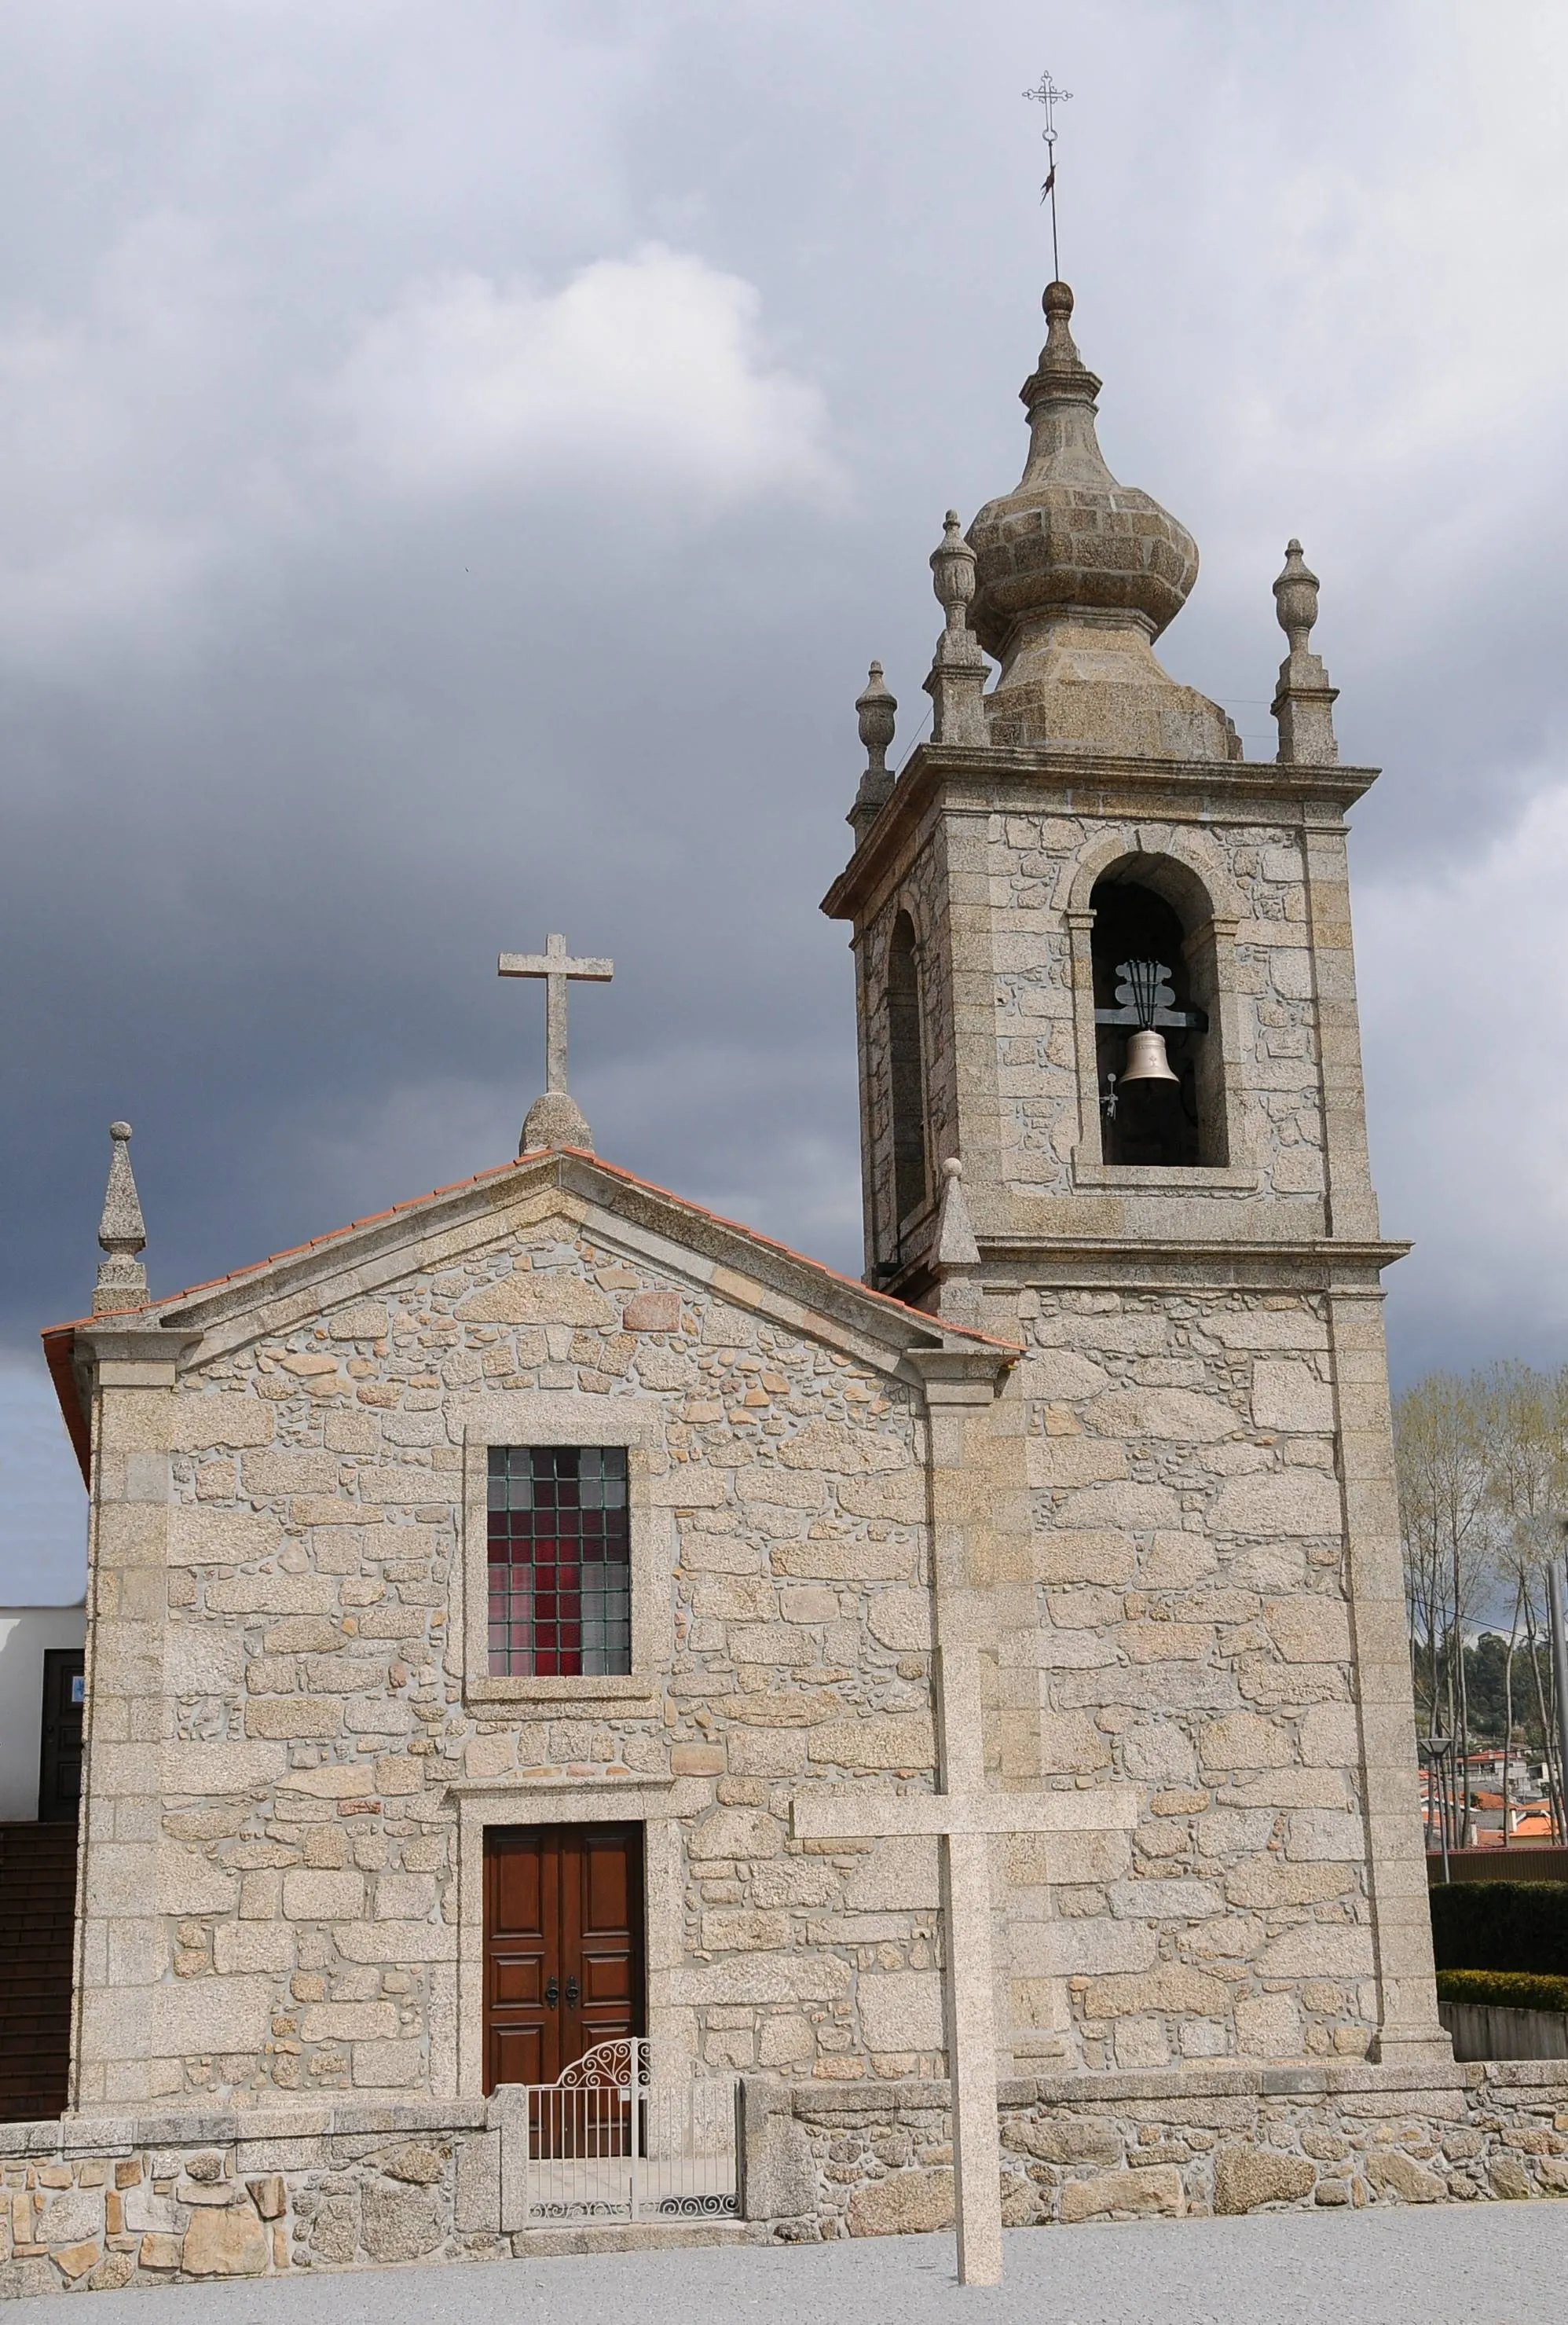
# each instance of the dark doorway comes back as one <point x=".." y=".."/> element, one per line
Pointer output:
<point x="563" y="1945"/>
<point x="60" y="1770"/>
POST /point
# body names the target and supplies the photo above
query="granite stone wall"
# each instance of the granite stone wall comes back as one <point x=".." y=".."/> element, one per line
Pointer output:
<point x="1181" y="1624"/>
<point x="313" y="1699"/>
<point x="987" y="897"/>
<point x="1190" y="1633"/>
<point x="877" y="2162"/>
<point x="190" y="2197"/>
<point x="152" y="2201"/>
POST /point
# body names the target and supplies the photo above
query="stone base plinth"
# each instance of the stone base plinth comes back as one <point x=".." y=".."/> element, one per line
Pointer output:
<point x="99" y="2201"/>
<point x="874" y="2160"/>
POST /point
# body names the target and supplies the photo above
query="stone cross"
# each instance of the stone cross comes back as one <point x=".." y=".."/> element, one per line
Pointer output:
<point x="554" y="1119"/>
<point x="963" y="1815"/>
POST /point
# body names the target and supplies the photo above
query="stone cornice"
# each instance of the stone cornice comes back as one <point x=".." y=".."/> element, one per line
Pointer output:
<point x="1134" y="2086"/>
<point x="1222" y="1261"/>
<point x="981" y="780"/>
<point x="116" y="1339"/>
<point x="961" y="1375"/>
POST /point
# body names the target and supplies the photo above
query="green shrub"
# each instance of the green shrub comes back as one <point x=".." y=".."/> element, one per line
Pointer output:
<point x="1501" y="1925"/>
<point x="1503" y="1989"/>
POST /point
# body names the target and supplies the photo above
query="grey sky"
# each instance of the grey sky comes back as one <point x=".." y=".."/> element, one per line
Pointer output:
<point x="460" y="457"/>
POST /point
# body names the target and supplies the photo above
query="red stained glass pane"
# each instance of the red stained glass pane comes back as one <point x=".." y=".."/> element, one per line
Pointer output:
<point x="559" y="1552"/>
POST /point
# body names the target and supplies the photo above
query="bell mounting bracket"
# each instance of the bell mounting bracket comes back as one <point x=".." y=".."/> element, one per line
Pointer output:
<point x="1144" y="990"/>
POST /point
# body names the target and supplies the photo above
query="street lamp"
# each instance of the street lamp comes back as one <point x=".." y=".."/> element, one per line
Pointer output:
<point x="1434" y="1750"/>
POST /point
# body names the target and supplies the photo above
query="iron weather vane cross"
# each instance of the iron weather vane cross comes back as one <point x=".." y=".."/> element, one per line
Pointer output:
<point x="1049" y="95"/>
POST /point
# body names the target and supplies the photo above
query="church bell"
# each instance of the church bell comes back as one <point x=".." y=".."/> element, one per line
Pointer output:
<point x="1146" y="1058"/>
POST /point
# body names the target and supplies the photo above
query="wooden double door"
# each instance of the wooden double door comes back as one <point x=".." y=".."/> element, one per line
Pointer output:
<point x="563" y="1945"/>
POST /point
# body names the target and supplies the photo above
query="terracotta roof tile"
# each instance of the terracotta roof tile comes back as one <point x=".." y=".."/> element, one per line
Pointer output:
<point x="58" y="1338"/>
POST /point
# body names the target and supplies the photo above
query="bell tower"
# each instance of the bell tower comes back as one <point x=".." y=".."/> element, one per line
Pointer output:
<point x="1112" y="1110"/>
<point x="1103" y="959"/>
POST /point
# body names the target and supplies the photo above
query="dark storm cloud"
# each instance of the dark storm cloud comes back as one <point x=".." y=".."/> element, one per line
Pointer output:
<point x="460" y="460"/>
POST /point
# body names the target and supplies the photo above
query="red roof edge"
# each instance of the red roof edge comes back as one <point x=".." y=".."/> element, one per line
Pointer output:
<point x="60" y="1351"/>
<point x="611" y="1170"/>
<point x="60" y="1339"/>
<point x="801" y="1259"/>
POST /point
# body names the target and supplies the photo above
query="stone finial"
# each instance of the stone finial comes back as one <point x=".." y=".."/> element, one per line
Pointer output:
<point x="1060" y="352"/>
<point x="1296" y="598"/>
<point x="956" y="1258"/>
<point x="1076" y="574"/>
<point x="958" y="671"/>
<point x="876" y="707"/>
<point x="122" y="1236"/>
<point x="1303" y="700"/>
<point x="952" y="577"/>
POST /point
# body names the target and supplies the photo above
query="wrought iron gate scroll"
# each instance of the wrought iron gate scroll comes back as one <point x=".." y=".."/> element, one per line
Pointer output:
<point x="604" y="2142"/>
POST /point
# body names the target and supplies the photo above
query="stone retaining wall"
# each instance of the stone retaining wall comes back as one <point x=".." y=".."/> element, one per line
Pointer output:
<point x="93" y="2202"/>
<point x="100" y="2202"/>
<point x="833" y="2163"/>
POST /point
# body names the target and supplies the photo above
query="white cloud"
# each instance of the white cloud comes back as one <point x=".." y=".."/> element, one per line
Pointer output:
<point x="131" y="446"/>
<point x="643" y="372"/>
<point x="166" y="439"/>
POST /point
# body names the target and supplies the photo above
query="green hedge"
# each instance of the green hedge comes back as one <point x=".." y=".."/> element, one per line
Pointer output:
<point x="1502" y="1925"/>
<point x="1504" y="1989"/>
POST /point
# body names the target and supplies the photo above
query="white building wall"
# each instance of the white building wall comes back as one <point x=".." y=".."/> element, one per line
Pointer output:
<point x="24" y="1633"/>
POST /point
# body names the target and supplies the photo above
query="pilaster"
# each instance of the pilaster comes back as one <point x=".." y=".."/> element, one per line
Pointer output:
<point x="1408" y="2023"/>
<point x="1350" y="1205"/>
<point x="121" y="1944"/>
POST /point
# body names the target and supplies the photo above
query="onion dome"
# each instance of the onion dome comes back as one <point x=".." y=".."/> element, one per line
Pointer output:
<point x="1075" y="576"/>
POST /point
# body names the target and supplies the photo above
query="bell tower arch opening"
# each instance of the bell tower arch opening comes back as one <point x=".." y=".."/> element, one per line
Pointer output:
<point x="906" y="1071"/>
<point x="1159" y="1075"/>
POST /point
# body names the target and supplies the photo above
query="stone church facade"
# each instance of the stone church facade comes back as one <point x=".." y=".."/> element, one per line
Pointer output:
<point x="1144" y="1308"/>
<point x="309" y="1830"/>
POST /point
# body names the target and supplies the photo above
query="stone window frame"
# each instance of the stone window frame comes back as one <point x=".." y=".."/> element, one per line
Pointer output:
<point x="1175" y="864"/>
<point x="567" y="1417"/>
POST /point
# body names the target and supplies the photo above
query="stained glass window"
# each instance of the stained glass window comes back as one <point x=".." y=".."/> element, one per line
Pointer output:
<point x="560" y="1561"/>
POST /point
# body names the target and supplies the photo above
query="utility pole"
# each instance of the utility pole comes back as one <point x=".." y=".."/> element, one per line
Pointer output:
<point x="1559" y="1679"/>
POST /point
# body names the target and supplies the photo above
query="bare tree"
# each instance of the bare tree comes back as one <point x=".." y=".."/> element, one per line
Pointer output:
<point x="1483" y="1487"/>
<point x="1441" y="1441"/>
<point x="1527" y="1446"/>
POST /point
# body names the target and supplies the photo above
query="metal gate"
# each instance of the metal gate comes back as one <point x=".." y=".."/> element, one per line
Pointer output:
<point x="606" y="2143"/>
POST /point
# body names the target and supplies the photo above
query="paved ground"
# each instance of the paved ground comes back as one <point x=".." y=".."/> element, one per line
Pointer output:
<point x="1486" y="2264"/>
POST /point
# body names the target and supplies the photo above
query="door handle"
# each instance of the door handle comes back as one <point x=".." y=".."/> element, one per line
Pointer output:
<point x="571" y="1994"/>
<point x="551" y="1995"/>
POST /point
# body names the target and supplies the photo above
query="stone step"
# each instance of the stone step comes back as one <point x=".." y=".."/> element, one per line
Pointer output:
<point x="37" y="1866"/>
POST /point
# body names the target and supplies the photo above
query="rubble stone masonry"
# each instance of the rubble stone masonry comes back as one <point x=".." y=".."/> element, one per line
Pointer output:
<point x="333" y="2185"/>
<point x="318" y="1710"/>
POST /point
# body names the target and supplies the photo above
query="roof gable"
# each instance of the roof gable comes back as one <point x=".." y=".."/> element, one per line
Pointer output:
<point x="749" y="1270"/>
